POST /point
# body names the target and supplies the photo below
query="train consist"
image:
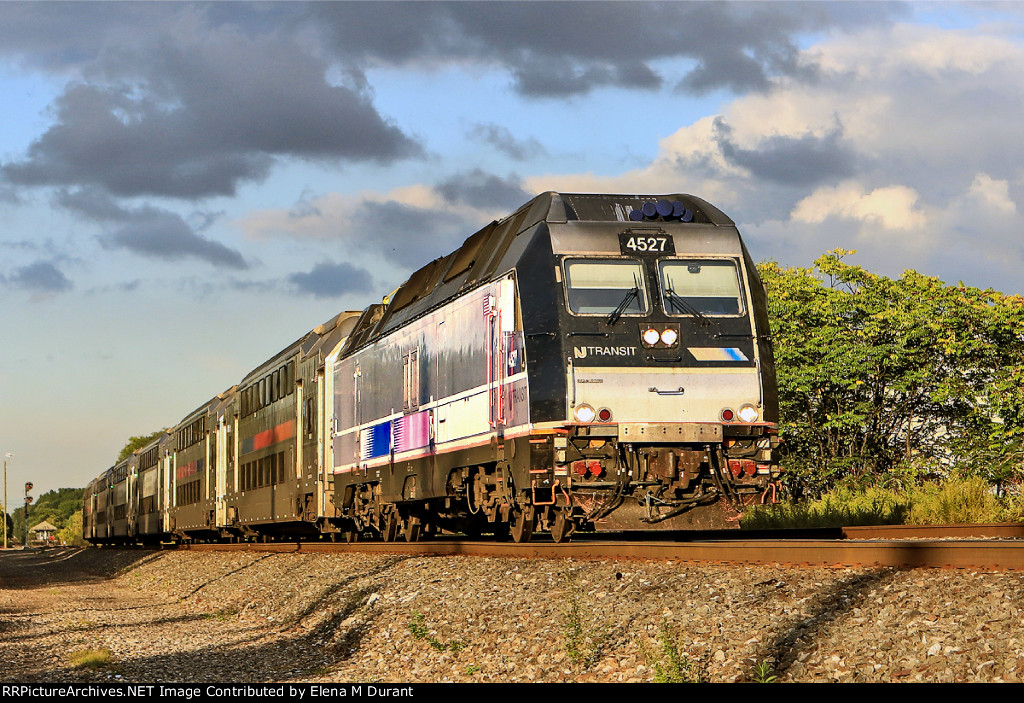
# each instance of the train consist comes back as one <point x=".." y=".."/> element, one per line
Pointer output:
<point x="589" y="362"/>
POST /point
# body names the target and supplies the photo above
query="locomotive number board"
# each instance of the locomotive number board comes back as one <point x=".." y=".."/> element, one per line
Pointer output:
<point x="655" y="244"/>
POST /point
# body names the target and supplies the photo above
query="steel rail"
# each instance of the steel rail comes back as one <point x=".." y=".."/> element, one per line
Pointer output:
<point x="996" y="530"/>
<point x="960" y="553"/>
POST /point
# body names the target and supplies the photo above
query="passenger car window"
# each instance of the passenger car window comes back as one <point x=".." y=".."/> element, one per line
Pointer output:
<point x="599" y="287"/>
<point x="709" y="286"/>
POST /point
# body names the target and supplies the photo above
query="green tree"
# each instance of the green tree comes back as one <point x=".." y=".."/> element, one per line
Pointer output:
<point x="136" y="443"/>
<point x="56" y="507"/>
<point x="883" y="377"/>
<point x="71" y="533"/>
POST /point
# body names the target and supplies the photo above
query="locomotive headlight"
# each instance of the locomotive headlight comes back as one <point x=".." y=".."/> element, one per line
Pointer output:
<point x="669" y="337"/>
<point x="748" y="413"/>
<point x="584" y="413"/>
<point x="651" y="336"/>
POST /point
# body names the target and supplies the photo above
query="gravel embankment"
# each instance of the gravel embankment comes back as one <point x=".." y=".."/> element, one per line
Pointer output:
<point x="251" y="617"/>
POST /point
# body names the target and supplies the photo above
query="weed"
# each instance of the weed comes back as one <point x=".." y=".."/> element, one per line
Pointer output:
<point x="583" y="644"/>
<point x="472" y="669"/>
<point x="764" y="672"/>
<point x="672" y="665"/>
<point x="222" y="615"/>
<point x="418" y="628"/>
<point x="91" y="659"/>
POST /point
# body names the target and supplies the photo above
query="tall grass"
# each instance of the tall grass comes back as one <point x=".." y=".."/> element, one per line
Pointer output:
<point x="954" y="501"/>
<point x="91" y="659"/>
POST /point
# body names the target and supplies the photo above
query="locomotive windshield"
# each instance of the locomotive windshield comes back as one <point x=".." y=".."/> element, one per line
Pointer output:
<point x="604" y="287"/>
<point x="700" y="287"/>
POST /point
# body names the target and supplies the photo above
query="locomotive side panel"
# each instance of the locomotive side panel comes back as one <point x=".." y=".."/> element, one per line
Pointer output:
<point x="429" y="399"/>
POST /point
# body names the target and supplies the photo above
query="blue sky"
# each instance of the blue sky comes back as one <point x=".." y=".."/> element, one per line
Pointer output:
<point x="187" y="188"/>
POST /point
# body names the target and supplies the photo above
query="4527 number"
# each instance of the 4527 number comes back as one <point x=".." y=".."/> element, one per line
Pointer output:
<point x="646" y="244"/>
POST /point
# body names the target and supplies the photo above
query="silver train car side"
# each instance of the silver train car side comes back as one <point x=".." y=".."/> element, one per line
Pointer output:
<point x="591" y="362"/>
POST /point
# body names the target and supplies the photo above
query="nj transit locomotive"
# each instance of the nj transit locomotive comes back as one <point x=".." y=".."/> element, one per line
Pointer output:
<point x="589" y="362"/>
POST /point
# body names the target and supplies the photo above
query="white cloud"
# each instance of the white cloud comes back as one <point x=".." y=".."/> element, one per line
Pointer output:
<point x="892" y="207"/>
<point x="907" y="146"/>
<point x="990" y="194"/>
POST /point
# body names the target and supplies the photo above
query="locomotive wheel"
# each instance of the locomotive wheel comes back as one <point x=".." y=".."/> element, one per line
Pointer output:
<point x="561" y="527"/>
<point x="412" y="530"/>
<point x="520" y="527"/>
<point x="389" y="527"/>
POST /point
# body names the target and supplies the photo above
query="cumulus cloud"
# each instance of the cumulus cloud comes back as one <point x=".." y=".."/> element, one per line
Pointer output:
<point x="194" y="119"/>
<point x="405" y="235"/>
<point x="481" y="189"/>
<point x="890" y="208"/>
<point x="502" y="139"/>
<point x="39" y="277"/>
<point x="160" y="234"/>
<point x="406" y="227"/>
<point x="803" y="160"/>
<point x="192" y="101"/>
<point x="332" y="280"/>
<point x="149" y="231"/>
<point x="901" y="147"/>
<point x="559" y="49"/>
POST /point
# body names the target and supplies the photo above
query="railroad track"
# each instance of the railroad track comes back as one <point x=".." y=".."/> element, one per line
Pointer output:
<point x="986" y="547"/>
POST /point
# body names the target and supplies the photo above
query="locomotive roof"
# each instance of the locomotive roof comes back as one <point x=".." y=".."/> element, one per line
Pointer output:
<point x="332" y="332"/>
<point x="479" y="257"/>
<point x="165" y="437"/>
<point x="326" y="334"/>
<point x="203" y="409"/>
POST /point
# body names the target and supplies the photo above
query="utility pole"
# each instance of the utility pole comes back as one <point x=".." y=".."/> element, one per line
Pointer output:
<point x="7" y="456"/>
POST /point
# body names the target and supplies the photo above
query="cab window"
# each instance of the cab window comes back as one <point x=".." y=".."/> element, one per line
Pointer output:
<point x="709" y="286"/>
<point x="600" y="287"/>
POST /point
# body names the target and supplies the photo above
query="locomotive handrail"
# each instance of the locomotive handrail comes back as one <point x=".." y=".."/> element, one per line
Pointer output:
<point x="739" y="335"/>
<point x="676" y="391"/>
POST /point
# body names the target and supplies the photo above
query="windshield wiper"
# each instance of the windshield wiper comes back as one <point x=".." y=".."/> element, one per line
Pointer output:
<point x="681" y="305"/>
<point x="633" y="292"/>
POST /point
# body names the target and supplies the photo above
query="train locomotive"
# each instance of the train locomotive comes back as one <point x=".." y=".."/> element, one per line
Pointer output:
<point x="590" y="362"/>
